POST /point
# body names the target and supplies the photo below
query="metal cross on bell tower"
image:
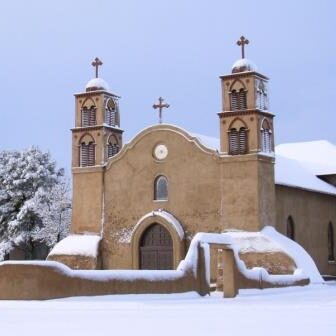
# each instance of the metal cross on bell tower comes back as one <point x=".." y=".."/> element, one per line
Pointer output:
<point x="97" y="63"/>
<point x="241" y="42"/>
<point x="160" y="106"/>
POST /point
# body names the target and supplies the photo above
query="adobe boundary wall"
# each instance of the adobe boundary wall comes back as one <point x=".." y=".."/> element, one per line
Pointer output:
<point x="50" y="280"/>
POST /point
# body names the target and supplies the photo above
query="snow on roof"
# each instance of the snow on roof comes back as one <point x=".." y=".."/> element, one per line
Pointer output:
<point x="97" y="84"/>
<point x="317" y="156"/>
<point x="294" y="174"/>
<point x="294" y="169"/>
<point x="207" y="141"/>
<point x="83" y="245"/>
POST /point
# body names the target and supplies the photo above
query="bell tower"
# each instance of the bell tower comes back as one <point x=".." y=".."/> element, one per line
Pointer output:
<point x="246" y="124"/>
<point x="97" y="135"/>
<point x="96" y="138"/>
<point x="247" y="147"/>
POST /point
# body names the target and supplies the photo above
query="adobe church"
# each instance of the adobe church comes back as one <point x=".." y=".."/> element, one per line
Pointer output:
<point x="138" y="205"/>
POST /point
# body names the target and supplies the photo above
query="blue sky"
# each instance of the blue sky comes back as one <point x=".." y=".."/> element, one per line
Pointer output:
<point x="175" y="48"/>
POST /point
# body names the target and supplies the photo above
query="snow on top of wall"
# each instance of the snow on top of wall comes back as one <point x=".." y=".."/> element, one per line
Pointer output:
<point x="254" y="242"/>
<point x="302" y="259"/>
<point x="317" y="156"/>
<point x="300" y="256"/>
<point x="78" y="244"/>
<point x="256" y="273"/>
<point x="168" y="217"/>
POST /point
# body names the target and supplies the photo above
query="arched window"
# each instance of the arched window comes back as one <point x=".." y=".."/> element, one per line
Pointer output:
<point x="266" y="137"/>
<point x="290" y="229"/>
<point x="238" y="141"/>
<point x="238" y="100"/>
<point x="161" y="188"/>
<point x="331" y="247"/>
<point x="112" y="146"/>
<point x="111" y="113"/>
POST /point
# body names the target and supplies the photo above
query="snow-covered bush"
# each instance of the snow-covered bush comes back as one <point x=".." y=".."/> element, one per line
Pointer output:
<point x="35" y="204"/>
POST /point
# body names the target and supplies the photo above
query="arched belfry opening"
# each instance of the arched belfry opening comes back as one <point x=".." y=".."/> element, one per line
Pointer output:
<point x="113" y="146"/>
<point x="88" y="113"/>
<point x="112" y="113"/>
<point x="156" y="248"/>
<point x="87" y="151"/>
<point x="266" y="137"/>
<point x="238" y="137"/>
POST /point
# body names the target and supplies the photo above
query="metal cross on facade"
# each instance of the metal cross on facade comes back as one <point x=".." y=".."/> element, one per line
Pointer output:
<point x="97" y="63"/>
<point x="241" y="42"/>
<point x="160" y="106"/>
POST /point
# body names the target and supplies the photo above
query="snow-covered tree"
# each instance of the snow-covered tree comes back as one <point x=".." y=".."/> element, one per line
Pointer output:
<point x="34" y="200"/>
<point x="54" y="210"/>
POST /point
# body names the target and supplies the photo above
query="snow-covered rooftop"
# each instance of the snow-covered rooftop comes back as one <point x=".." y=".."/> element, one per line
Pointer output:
<point x="317" y="156"/>
<point x="82" y="245"/>
<point x="297" y="164"/>
<point x="207" y="141"/>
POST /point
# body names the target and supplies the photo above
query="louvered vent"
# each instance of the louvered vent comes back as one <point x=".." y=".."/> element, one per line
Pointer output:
<point x="112" y="149"/>
<point x="266" y="138"/>
<point x="110" y="118"/>
<point x="234" y="101"/>
<point x="238" y="100"/>
<point x="87" y="154"/>
<point x="92" y="117"/>
<point x="91" y="154"/>
<point x="85" y="117"/>
<point x="88" y="117"/>
<point x="242" y="141"/>
<point x="242" y="100"/>
<point x="238" y="141"/>
<point x="84" y="155"/>
<point x="234" y="142"/>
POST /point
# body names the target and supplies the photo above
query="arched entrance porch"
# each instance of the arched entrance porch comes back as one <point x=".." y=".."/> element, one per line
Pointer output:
<point x="157" y="242"/>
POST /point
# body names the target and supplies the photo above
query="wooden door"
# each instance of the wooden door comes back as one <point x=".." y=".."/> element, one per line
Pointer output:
<point x="156" y="248"/>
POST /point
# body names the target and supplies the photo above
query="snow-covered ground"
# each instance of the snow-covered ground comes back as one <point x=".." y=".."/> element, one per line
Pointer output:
<point x="295" y="311"/>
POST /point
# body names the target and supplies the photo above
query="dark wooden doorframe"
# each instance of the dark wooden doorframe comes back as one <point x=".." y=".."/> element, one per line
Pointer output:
<point x="156" y="248"/>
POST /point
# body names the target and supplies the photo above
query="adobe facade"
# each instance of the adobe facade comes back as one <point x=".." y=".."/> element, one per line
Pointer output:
<point x="149" y="197"/>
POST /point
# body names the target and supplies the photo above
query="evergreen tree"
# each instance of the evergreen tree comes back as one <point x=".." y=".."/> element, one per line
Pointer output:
<point x="32" y="194"/>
